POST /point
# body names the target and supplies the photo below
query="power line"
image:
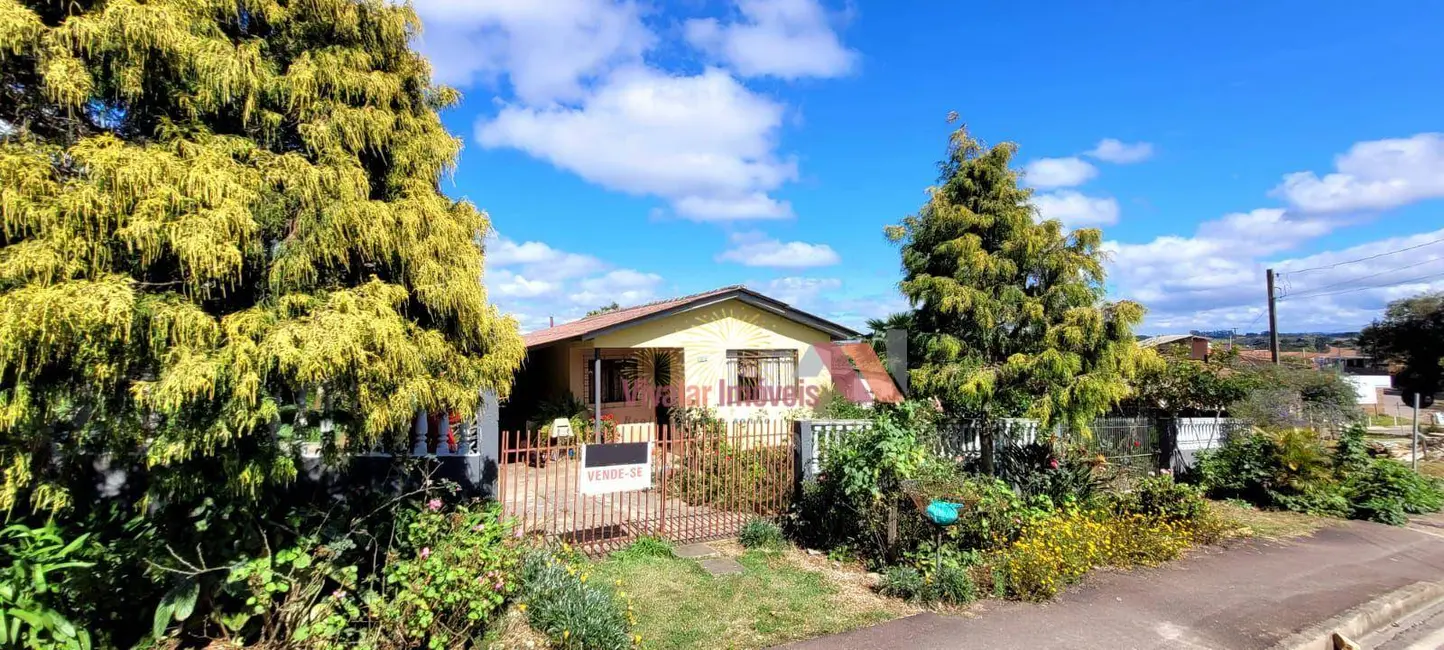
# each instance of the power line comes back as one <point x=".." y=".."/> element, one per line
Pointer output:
<point x="1372" y="286"/>
<point x="1371" y="275"/>
<point x="1365" y="259"/>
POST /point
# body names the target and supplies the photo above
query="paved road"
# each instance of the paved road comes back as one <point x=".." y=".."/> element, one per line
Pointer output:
<point x="1250" y="595"/>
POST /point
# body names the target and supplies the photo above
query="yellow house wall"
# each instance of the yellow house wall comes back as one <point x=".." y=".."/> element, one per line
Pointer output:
<point x="704" y="336"/>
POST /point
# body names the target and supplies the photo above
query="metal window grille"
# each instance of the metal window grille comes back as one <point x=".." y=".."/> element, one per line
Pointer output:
<point x="761" y="374"/>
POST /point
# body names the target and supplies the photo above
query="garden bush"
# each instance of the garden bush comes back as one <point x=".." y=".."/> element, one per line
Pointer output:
<point x="35" y="567"/>
<point x="948" y="584"/>
<point x="1161" y="496"/>
<point x="1060" y="549"/>
<point x="761" y="533"/>
<point x="1294" y="470"/>
<point x="1387" y="491"/>
<point x="572" y="611"/>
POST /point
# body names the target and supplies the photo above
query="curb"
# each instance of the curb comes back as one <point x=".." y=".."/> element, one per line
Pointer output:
<point x="1367" y="618"/>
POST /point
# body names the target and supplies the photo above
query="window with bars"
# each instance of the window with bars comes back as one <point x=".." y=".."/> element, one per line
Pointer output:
<point x="761" y="374"/>
<point x="615" y="374"/>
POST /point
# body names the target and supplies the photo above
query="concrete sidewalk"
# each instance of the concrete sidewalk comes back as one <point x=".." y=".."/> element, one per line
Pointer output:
<point x="1250" y="595"/>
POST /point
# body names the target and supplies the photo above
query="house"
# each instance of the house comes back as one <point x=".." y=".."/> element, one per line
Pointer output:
<point x="1349" y="361"/>
<point x="731" y="349"/>
<point x="1191" y="346"/>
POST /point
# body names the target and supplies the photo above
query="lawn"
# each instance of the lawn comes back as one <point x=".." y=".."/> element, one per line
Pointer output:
<point x="1270" y="524"/>
<point x="781" y="596"/>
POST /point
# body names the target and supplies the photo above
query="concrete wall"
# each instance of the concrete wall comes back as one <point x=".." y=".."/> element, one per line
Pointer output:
<point x="1366" y="387"/>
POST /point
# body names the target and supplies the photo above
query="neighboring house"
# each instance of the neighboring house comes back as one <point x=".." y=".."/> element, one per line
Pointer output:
<point x="1191" y="346"/>
<point x="1350" y="361"/>
<point x="732" y="349"/>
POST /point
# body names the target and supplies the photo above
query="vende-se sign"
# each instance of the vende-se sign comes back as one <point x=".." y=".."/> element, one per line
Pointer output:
<point x="616" y="467"/>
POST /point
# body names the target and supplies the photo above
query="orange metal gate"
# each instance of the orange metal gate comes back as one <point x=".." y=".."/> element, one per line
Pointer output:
<point x="706" y="483"/>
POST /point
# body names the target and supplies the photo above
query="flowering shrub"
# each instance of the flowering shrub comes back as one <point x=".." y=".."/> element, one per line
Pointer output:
<point x="1058" y="550"/>
<point x="573" y="611"/>
<point x="453" y="571"/>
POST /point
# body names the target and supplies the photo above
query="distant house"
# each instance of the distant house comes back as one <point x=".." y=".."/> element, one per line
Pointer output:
<point x="732" y="349"/>
<point x="1349" y="361"/>
<point x="1191" y="346"/>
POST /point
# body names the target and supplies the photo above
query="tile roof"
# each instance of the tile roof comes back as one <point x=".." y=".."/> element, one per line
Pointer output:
<point x="599" y="322"/>
<point x="1164" y="339"/>
<point x="865" y="359"/>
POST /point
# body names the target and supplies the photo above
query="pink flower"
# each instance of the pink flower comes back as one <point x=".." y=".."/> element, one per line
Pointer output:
<point x="433" y="505"/>
<point x="426" y="552"/>
<point x="338" y="594"/>
<point x="478" y="528"/>
<point x="1053" y="463"/>
<point x="516" y="533"/>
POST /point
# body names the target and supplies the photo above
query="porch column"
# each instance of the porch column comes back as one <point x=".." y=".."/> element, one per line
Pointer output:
<point x="597" y="390"/>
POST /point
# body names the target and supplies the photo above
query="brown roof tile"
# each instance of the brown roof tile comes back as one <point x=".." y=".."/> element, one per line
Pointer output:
<point x="598" y="322"/>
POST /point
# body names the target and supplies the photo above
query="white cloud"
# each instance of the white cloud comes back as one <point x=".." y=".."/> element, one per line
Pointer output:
<point x="780" y="38"/>
<point x="832" y="299"/>
<point x="1374" y="175"/>
<point x="548" y="51"/>
<point x="799" y="291"/>
<point x="755" y="249"/>
<point x="1077" y="210"/>
<point x="705" y="142"/>
<point x="626" y="287"/>
<point x="537" y="259"/>
<point x="509" y="284"/>
<point x="1058" y="172"/>
<point x="1122" y="153"/>
<point x="536" y="282"/>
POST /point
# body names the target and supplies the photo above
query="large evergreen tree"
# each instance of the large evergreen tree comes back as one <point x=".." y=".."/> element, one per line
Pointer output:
<point x="1411" y="334"/>
<point x="221" y="224"/>
<point x="1010" y="307"/>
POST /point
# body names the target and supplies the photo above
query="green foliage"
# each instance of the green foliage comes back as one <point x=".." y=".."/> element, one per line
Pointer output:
<point x="1180" y="386"/>
<point x="1387" y="491"/>
<point x="604" y="309"/>
<point x="1010" y="307"/>
<point x="573" y="611"/>
<point x="903" y="582"/>
<point x="1412" y="334"/>
<point x="1292" y="470"/>
<point x="449" y="570"/>
<point x="1041" y="469"/>
<point x="453" y="571"/>
<point x="833" y="405"/>
<point x="761" y="533"/>
<point x="1293" y="396"/>
<point x="646" y="547"/>
<point x="36" y="564"/>
<point x="1161" y="497"/>
<point x="223" y="227"/>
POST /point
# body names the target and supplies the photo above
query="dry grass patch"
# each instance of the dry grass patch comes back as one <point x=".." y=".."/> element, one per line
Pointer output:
<point x="780" y="596"/>
<point x="1247" y="521"/>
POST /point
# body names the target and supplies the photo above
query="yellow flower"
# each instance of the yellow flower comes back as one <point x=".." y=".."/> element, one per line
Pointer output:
<point x="566" y="634"/>
<point x="584" y="577"/>
<point x="521" y="607"/>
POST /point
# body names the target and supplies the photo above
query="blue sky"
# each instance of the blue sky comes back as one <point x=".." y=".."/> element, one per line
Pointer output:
<point x="631" y="151"/>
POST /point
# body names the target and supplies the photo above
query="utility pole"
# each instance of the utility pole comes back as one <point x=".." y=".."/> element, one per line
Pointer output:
<point x="1415" y="437"/>
<point x="1273" y="321"/>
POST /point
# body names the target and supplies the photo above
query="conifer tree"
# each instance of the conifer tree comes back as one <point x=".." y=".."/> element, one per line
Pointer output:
<point x="1010" y="308"/>
<point x="220" y="225"/>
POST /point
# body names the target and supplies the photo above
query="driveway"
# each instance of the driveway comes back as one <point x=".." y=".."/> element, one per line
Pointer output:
<point x="1249" y="595"/>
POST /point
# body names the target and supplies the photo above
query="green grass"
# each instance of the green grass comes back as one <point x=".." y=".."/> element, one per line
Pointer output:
<point x="777" y="599"/>
<point x="1270" y="524"/>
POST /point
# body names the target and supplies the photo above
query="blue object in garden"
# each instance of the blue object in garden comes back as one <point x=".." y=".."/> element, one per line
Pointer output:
<point x="943" y="513"/>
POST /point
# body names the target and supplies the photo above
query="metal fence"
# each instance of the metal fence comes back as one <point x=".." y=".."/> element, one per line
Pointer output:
<point x="706" y="483"/>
